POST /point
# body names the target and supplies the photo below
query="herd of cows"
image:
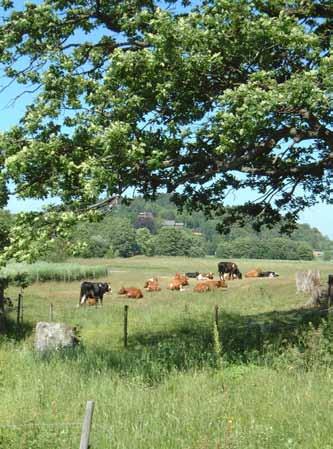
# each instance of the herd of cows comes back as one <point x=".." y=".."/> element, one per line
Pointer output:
<point x="92" y="293"/>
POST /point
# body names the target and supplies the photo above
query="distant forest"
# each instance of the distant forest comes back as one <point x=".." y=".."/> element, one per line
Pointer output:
<point x="157" y="228"/>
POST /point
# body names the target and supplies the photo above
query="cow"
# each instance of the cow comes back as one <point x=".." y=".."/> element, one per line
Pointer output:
<point x="94" y="290"/>
<point x="181" y="278"/>
<point x="176" y="285"/>
<point x="201" y="287"/>
<point x="216" y="284"/>
<point x="268" y="274"/>
<point x="209" y="285"/>
<point x="253" y="273"/>
<point x="205" y="276"/>
<point x="192" y="274"/>
<point x="131" y="292"/>
<point x="92" y="302"/>
<point x="152" y="285"/>
<point x="229" y="268"/>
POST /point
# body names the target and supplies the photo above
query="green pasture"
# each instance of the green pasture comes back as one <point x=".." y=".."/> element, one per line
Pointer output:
<point x="266" y="383"/>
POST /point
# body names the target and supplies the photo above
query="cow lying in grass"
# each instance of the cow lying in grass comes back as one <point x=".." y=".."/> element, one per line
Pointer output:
<point x="183" y="280"/>
<point x="176" y="285"/>
<point x="205" y="276"/>
<point x="209" y="285"/>
<point x="152" y="285"/>
<point x="268" y="274"/>
<point x="178" y="282"/>
<point x="192" y="274"/>
<point x="258" y="273"/>
<point x="253" y="273"/>
<point x="131" y="292"/>
<point x="201" y="287"/>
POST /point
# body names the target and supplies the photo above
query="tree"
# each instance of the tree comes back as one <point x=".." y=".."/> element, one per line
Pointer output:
<point x="122" y="239"/>
<point x="146" y="221"/>
<point x="226" y="95"/>
<point x="178" y="242"/>
<point x="304" y="251"/>
<point x="145" y="242"/>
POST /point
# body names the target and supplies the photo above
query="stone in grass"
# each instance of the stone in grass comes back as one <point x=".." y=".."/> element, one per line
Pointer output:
<point x="50" y="336"/>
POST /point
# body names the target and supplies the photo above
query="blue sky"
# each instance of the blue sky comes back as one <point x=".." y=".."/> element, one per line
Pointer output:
<point x="319" y="216"/>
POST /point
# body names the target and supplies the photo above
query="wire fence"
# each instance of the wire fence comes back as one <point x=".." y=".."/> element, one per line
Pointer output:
<point x="67" y="433"/>
<point x="131" y="326"/>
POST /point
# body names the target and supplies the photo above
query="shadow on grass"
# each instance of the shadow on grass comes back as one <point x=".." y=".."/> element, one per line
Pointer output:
<point x="12" y="331"/>
<point x="190" y="345"/>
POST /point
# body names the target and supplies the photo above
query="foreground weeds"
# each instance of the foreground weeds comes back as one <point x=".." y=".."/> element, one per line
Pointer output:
<point x="170" y="395"/>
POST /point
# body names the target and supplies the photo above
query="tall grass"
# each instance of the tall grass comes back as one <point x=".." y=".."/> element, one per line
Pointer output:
<point x="272" y="388"/>
<point x="47" y="271"/>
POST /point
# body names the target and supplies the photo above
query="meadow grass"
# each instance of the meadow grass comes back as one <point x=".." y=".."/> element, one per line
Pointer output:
<point x="171" y="389"/>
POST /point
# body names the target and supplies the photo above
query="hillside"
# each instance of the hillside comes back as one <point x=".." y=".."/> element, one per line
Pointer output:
<point x="157" y="228"/>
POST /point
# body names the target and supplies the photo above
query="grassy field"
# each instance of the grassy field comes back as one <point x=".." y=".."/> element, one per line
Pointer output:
<point x="171" y="388"/>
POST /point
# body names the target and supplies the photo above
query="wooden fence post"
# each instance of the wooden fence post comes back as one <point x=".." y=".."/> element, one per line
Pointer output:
<point x="51" y="312"/>
<point x="330" y="283"/>
<point x="216" y="316"/>
<point x="86" y="426"/>
<point x="125" y="325"/>
<point x="22" y="307"/>
<point x="18" y="309"/>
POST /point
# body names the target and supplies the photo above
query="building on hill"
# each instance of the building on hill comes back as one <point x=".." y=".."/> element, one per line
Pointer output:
<point x="172" y="224"/>
<point x="144" y="215"/>
<point x="145" y="220"/>
<point x="317" y="253"/>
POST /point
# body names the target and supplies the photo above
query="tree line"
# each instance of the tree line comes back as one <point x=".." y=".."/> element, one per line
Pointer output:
<point x="157" y="228"/>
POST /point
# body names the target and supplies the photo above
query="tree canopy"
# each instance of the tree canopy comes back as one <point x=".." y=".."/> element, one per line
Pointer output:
<point x="194" y="98"/>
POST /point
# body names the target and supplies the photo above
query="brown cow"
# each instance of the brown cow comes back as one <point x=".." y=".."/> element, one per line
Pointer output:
<point x="134" y="293"/>
<point x="131" y="292"/>
<point x="180" y="278"/>
<point x="201" y="287"/>
<point x="216" y="284"/>
<point x="122" y="291"/>
<point x="176" y="285"/>
<point x="152" y="285"/>
<point x="149" y="281"/>
<point x="253" y="273"/>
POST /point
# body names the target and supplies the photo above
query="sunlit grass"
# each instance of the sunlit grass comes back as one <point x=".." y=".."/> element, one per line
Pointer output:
<point x="272" y="389"/>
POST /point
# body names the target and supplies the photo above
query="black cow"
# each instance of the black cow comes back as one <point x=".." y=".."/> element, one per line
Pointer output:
<point x="94" y="290"/>
<point x="192" y="274"/>
<point x="229" y="268"/>
<point x="268" y="274"/>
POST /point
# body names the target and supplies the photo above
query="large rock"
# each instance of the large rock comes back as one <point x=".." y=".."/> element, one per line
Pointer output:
<point x="51" y="336"/>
